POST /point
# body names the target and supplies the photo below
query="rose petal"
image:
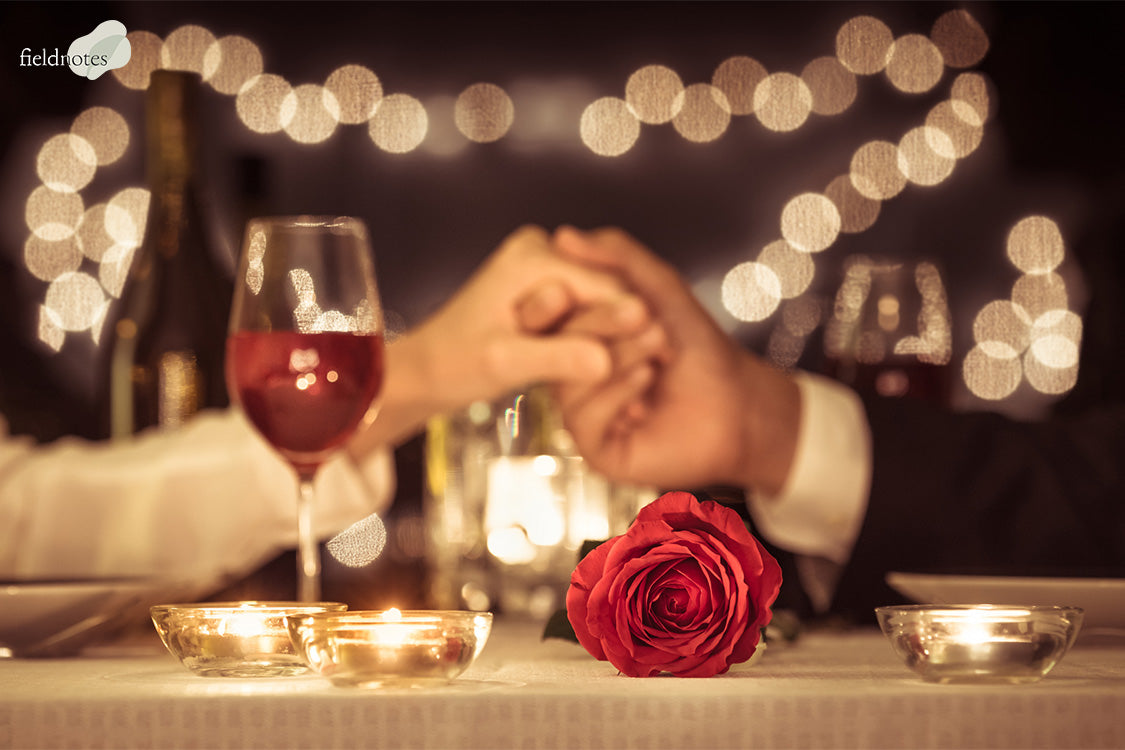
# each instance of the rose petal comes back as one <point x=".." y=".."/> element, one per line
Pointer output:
<point x="681" y="642"/>
<point x="729" y="601"/>
<point x="704" y="564"/>
<point x="637" y="541"/>
<point x="585" y="576"/>
<point x="668" y="503"/>
<point x="685" y="590"/>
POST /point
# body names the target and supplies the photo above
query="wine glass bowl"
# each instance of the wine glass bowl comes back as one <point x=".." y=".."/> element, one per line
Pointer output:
<point x="279" y="374"/>
<point x="305" y="348"/>
<point x="890" y="329"/>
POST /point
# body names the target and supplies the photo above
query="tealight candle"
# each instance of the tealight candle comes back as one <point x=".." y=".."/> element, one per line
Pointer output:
<point x="391" y="648"/>
<point x="980" y="643"/>
<point x="969" y="643"/>
<point x="235" y="639"/>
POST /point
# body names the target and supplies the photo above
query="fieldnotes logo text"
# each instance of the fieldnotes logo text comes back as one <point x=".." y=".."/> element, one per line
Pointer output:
<point x="103" y="49"/>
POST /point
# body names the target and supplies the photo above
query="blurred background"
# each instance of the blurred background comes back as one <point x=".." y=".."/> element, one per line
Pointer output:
<point x="765" y="149"/>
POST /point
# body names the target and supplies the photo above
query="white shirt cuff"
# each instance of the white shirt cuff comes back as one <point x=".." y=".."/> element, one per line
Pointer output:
<point x="207" y="502"/>
<point x="820" y="509"/>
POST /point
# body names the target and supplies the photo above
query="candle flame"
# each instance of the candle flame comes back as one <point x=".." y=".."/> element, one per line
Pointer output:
<point x="243" y="624"/>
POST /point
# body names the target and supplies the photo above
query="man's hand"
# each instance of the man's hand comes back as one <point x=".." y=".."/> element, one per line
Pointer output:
<point x="706" y="412"/>
<point x="527" y="315"/>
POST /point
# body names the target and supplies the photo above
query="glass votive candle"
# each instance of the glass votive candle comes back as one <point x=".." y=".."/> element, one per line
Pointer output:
<point x="980" y="642"/>
<point x="235" y="639"/>
<point x="391" y="648"/>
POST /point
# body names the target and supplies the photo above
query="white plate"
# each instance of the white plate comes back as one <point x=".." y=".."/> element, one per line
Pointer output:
<point x="55" y="618"/>
<point x="1103" y="599"/>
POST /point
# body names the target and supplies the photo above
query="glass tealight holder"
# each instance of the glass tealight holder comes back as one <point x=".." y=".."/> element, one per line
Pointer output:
<point x="235" y="639"/>
<point x="980" y="643"/>
<point x="392" y="648"/>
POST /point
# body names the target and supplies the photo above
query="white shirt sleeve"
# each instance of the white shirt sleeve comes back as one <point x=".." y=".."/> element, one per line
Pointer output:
<point x="205" y="503"/>
<point x="820" y="509"/>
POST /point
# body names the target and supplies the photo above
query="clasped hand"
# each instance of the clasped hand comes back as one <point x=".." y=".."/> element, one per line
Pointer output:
<point x="683" y="405"/>
<point x="651" y="389"/>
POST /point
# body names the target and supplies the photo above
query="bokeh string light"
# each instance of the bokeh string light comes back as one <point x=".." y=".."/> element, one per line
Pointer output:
<point x="65" y="235"/>
<point x="1032" y="336"/>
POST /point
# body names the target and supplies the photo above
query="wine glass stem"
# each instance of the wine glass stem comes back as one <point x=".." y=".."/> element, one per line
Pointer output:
<point x="308" y="552"/>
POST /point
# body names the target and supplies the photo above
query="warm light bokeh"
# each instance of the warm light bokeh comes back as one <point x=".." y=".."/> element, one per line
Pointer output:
<point x="1032" y="335"/>
<point x="185" y="49"/>
<point x="751" y="291"/>
<point x="863" y="45"/>
<point x="653" y="94"/>
<point x="738" y="78"/>
<point x="230" y="62"/>
<point x="704" y="113"/>
<point x="358" y="92"/>
<point x="1002" y="322"/>
<point x="925" y="156"/>
<point x="259" y="102"/>
<point x="106" y="132"/>
<point x="832" y="85"/>
<point x="991" y="377"/>
<point x="310" y="113"/>
<point x="960" y="39"/>
<point x="145" y="58"/>
<point x="1035" y="324"/>
<point x="875" y="171"/>
<point x="1040" y="293"/>
<point x="810" y="222"/>
<point x="66" y="163"/>
<point x="49" y="259"/>
<point x="954" y="129"/>
<point x="915" y="64"/>
<point x="126" y="214"/>
<point x="53" y="215"/>
<point x="857" y="211"/>
<point x="782" y="102"/>
<point x="608" y="127"/>
<point x="93" y="239"/>
<point x="399" y="124"/>
<point x="794" y="268"/>
<point x="973" y="90"/>
<point x="1035" y="245"/>
<point x="484" y="112"/>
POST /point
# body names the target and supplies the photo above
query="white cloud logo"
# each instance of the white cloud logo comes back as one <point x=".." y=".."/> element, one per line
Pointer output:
<point x="103" y="49"/>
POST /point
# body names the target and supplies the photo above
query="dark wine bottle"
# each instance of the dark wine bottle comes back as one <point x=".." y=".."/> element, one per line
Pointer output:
<point x="168" y="339"/>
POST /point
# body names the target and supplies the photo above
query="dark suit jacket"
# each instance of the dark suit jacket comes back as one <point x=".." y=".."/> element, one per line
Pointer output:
<point x="977" y="492"/>
<point x="981" y="493"/>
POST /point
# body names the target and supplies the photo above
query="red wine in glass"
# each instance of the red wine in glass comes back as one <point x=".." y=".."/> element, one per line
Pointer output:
<point x="305" y="392"/>
<point x="305" y="349"/>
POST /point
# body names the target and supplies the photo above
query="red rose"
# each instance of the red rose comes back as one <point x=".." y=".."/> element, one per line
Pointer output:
<point x="687" y="590"/>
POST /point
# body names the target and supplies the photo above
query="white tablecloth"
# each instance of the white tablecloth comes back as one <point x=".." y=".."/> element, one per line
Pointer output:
<point x="827" y="690"/>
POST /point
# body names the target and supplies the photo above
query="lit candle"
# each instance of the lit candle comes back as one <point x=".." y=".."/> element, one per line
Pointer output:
<point x="248" y="632"/>
<point x="980" y="643"/>
<point x="389" y="648"/>
<point x="236" y="639"/>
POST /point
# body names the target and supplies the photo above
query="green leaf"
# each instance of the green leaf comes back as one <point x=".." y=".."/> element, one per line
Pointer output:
<point x="558" y="626"/>
<point x="589" y="546"/>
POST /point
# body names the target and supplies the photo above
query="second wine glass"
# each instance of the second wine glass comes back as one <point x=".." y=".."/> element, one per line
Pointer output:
<point x="305" y="349"/>
<point x="890" y="333"/>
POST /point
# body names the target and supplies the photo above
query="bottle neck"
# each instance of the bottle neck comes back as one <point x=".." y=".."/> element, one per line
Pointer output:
<point x="171" y="158"/>
<point x="171" y="112"/>
<point x="166" y="360"/>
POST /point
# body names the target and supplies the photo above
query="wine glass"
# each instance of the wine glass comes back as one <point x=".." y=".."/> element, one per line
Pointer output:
<point x="305" y="349"/>
<point x="890" y="330"/>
